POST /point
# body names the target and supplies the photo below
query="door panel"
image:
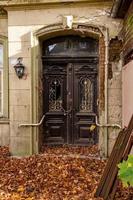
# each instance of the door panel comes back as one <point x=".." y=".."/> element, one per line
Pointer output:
<point x="70" y="103"/>
<point x="55" y="77"/>
<point x="85" y="98"/>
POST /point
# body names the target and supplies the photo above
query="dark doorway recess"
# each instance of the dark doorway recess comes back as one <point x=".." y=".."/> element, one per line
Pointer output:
<point x="70" y="74"/>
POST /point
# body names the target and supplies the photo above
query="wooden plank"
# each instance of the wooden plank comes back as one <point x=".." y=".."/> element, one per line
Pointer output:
<point x="110" y="173"/>
<point x="114" y="170"/>
<point x="109" y="164"/>
<point x="128" y="150"/>
<point x="113" y="190"/>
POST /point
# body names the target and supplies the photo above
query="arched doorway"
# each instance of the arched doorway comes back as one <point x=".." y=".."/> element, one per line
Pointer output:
<point x="70" y="81"/>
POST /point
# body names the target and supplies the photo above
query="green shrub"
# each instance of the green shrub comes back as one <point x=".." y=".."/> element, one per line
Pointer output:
<point x="125" y="172"/>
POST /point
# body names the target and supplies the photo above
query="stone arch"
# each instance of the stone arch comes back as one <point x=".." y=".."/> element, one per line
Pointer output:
<point x="83" y="30"/>
<point x="53" y="30"/>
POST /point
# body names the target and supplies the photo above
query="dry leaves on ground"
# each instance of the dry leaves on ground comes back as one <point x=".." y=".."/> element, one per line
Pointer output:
<point x="52" y="175"/>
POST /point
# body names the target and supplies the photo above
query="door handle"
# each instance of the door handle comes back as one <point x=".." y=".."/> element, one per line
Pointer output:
<point x="97" y="102"/>
<point x="66" y="112"/>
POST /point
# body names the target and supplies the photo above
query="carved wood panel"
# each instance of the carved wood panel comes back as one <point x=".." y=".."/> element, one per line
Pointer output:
<point x="85" y="99"/>
<point x="70" y="96"/>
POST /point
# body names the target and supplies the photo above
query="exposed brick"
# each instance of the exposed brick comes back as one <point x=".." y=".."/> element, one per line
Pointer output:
<point x="102" y="73"/>
<point x="115" y="47"/>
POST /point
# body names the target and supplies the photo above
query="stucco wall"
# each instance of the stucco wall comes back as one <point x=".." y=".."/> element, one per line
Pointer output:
<point x="20" y="25"/>
<point x="127" y="94"/>
<point x="3" y="26"/>
<point x="4" y="134"/>
<point x="4" y="125"/>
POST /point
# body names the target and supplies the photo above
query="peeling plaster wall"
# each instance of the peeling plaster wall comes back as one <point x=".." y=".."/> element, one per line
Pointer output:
<point x="114" y="102"/>
<point x="20" y="45"/>
<point x="114" y="90"/>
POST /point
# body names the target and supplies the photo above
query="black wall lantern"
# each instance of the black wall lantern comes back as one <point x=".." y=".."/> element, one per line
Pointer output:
<point x="19" y="68"/>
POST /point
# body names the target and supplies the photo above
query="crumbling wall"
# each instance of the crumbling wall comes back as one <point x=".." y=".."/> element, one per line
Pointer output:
<point x="114" y="90"/>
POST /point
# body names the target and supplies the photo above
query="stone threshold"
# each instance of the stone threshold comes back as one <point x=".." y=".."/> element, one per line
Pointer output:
<point x="80" y="156"/>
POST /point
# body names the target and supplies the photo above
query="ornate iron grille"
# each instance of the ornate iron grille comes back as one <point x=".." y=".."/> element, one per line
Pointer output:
<point x="55" y="97"/>
<point x="86" y="95"/>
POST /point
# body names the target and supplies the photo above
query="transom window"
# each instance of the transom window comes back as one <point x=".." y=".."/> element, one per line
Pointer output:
<point x="71" y="46"/>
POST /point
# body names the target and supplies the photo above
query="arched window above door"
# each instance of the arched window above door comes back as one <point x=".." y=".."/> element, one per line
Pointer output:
<point x="70" y="46"/>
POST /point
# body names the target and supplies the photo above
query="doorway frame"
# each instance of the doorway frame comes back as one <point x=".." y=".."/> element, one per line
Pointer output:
<point x="84" y="30"/>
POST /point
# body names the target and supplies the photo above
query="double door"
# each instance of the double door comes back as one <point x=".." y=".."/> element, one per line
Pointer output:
<point x="70" y="98"/>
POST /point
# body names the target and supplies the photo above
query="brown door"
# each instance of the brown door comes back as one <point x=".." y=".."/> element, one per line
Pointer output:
<point x="70" y="96"/>
<point x="84" y="103"/>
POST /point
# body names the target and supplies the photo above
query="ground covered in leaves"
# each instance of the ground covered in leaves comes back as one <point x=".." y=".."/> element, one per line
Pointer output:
<point x="63" y="173"/>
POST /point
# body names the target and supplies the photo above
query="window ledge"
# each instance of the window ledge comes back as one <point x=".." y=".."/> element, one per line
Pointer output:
<point x="4" y="120"/>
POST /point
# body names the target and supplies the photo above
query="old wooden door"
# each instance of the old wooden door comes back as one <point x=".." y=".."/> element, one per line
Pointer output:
<point x="70" y="96"/>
